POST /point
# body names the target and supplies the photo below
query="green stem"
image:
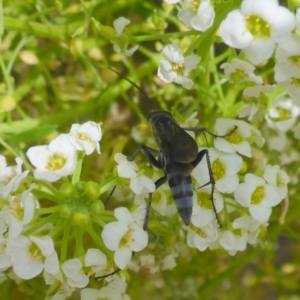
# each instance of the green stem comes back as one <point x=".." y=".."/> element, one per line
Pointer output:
<point x="6" y="76"/>
<point x="40" y="223"/>
<point x="5" y="145"/>
<point x="99" y="242"/>
<point x="42" y="194"/>
<point x="36" y="29"/>
<point x="60" y="226"/>
<point x="1" y="21"/>
<point x="64" y="244"/>
<point x="48" y="210"/>
<point x="76" y="174"/>
<point x="79" y="241"/>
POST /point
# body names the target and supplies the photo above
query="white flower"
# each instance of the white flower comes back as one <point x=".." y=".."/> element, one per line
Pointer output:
<point x="169" y="262"/>
<point x="234" y="241"/>
<point x="277" y="140"/>
<point x="256" y="26"/>
<point x="224" y="167"/>
<point x="199" y="16"/>
<point x="237" y="140"/>
<point x="124" y="236"/>
<point x="3" y="163"/>
<point x="251" y="225"/>
<point x="203" y="211"/>
<point x="30" y="256"/>
<point x="278" y="178"/>
<point x="54" y="161"/>
<point x="175" y="67"/>
<point x="115" y="290"/>
<point x="11" y="177"/>
<point x="298" y="18"/>
<point x="138" y="183"/>
<point x="239" y="71"/>
<point x="121" y="47"/>
<point x="76" y="276"/>
<point x="86" y="137"/>
<point x="282" y="115"/>
<point x="287" y="65"/>
<point x="258" y="196"/>
<point x="97" y="260"/>
<point x="19" y="212"/>
<point x="201" y="238"/>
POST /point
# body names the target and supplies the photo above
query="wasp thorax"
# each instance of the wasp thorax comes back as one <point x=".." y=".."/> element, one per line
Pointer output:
<point x="155" y="116"/>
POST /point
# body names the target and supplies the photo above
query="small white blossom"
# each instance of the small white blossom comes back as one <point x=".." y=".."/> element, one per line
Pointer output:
<point x="86" y="137"/>
<point x="54" y="161"/>
<point x="119" y="25"/>
<point x="239" y="71"/>
<point x="287" y="65"/>
<point x="282" y="115"/>
<point x="258" y="196"/>
<point x="203" y="211"/>
<point x="19" y="212"/>
<point x="115" y="290"/>
<point x="201" y="238"/>
<point x="138" y="183"/>
<point x="97" y="260"/>
<point x="169" y="262"/>
<point x="256" y="26"/>
<point x="3" y="163"/>
<point x="11" y="178"/>
<point x="175" y="67"/>
<point x="224" y="167"/>
<point x="237" y="140"/>
<point x="197" y="15"/>
<point x="73" y="270"/>
<point x="278" y="178"/>
<point x="234" y="241"/>
<point x="30" y="256"/>
<point x="277" y="140"/>
<point x="124" y="236"/>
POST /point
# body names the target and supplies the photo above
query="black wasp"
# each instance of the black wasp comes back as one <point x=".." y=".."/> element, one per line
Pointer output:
<point x="177" y="156"/>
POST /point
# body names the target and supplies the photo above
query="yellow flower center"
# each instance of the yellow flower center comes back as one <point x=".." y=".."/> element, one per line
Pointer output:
<point x="178" y="68"/>
<point x="218" y="169"/>
<point x="259" y="28"/>
<point x="35" y="252"/>
<point x="295" y="60"/>
<point x="204" y="201"/>
<point x="56" y="162"/>
<point x="258" y="195"/>
<point x="235" y="137"/>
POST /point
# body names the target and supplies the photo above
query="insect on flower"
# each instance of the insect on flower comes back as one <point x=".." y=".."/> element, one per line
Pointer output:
<point x="177" y="156"/>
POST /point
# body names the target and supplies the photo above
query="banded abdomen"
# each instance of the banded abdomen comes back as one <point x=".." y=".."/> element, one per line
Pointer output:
<point x="182" y="191"/>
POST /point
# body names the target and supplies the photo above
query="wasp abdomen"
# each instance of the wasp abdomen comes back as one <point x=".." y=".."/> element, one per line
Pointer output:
<point x="181" y="189"/>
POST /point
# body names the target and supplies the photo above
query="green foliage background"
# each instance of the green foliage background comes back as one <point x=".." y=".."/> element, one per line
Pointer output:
<point x="71" y="84"/>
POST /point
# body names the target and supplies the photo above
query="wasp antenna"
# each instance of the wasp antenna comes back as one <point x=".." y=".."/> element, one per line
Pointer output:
<point x="107" y="275"/>
<point x="135" y="85"/>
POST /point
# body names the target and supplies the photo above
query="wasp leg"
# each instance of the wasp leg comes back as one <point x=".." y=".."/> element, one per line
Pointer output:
<point x="159" y="182"/>
<point x="211" y="178"/>
<point x="150" y="153"/>
<point x="203" y="129"/>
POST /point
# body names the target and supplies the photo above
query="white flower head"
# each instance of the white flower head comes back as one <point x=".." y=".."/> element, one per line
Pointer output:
<point x="30" y="256"/>
<point x="3" y="163"/>
<point x="97" y="260"/>
<point x="19" y="212"/>
<point x="73" y="270"/>
<point x="11" y="178"/>
<point x="237" y="141"/>
<point x="120" y="46"/>
<point x="202" y="237"/>
<point x="86" y="137"/>
<point x="256" y="26"/>
<point x="225" y="167"/>
<point x="282" y="115"/>
<point x="175" y="67"/>
<point x="258" y="196"/>
<point x="287" y="54"/>
<point x="138" y="183"/>
<point x="54" y="161"/>
<point x="124" y="236"/>
<point x="239" y="71"/>
<point x="203" y="210"/>
<point x="278" y="178"/>
<point x="234" y="241"/>
<point x="197" y="15"/>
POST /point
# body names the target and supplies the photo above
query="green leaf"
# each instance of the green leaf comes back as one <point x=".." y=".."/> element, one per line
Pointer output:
<point x="32" y="135"/>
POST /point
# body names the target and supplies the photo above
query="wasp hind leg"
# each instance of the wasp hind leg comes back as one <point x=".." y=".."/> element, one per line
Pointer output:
<point x="211" y="181"/>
